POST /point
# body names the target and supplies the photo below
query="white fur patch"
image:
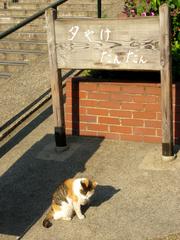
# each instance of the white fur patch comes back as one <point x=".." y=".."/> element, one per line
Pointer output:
<point x="82" y="199"/>
<point x="65" y="212"/>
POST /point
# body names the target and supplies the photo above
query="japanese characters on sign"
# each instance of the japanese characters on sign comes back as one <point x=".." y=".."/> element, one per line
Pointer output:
<point x="106" y="45"/>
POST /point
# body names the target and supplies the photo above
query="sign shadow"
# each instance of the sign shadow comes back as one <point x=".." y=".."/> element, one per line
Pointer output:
<point x="27" y="186"/>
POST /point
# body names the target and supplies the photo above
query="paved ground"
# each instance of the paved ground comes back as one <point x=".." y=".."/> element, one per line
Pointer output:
<point x="137" y="198"/>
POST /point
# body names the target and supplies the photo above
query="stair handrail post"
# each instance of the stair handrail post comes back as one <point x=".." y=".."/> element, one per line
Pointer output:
<point x="99" y="8"/>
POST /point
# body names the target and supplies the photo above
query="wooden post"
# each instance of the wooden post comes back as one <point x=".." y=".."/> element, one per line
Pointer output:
<point x="56" y="81"/>
<point x="166" y="83"/>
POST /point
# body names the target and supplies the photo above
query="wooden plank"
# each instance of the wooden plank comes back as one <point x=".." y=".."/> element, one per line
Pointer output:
<point x="108" y="43"/>
<point x="166" y="81"/>
<point x="56" y="82"/>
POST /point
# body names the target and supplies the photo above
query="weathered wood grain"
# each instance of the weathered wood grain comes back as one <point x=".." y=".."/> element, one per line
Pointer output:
<point x="108" y="43"/>
<point x="166" y="82"/>
<point x="56" y="81"/>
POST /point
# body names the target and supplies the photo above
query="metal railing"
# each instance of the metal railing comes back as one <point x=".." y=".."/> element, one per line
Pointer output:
<point x="40" y="13"/>
<point x="31" y="18"/>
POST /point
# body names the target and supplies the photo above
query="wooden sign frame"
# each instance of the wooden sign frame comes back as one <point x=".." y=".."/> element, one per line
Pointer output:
<point x="128" y="44"/>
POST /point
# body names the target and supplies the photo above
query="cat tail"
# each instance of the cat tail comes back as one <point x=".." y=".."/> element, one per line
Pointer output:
<point x="47" y="222"/>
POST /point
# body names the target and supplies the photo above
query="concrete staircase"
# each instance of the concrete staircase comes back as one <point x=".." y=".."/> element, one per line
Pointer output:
<point x="29" y="42"/>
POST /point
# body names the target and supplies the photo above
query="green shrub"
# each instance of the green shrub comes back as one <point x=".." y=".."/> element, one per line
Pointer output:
<point x="134" y="8"/>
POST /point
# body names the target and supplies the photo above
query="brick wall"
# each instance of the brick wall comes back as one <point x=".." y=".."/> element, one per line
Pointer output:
<point x="123" y="110"/>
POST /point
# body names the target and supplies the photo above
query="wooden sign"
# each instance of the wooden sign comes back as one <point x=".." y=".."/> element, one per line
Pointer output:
<point x="129" y="44"/>
<point x="108" y="43"/>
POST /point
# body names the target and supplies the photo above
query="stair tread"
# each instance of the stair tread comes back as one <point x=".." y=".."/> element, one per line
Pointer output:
<point x="22" y="41"/>
<point x="13" y="62"/>
<point x="20" y="51"/>
<point x="5" y="74"/>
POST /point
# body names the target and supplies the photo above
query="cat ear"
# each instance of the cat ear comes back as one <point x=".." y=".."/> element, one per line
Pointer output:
<point x="83" y="184"/>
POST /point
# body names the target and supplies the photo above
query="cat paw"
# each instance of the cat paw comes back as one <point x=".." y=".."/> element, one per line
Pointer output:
<point x="81" y="217"/>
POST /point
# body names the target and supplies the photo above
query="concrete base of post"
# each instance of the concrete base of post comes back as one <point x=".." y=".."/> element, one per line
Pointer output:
<point x="61" y="149"/>
<point x="168" y="158"/>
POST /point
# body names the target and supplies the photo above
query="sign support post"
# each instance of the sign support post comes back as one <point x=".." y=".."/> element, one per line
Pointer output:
<point x="166" y="83"/>
<point x="56" y="82"/>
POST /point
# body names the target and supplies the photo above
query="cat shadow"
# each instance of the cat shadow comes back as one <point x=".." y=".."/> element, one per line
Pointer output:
<point x="102" y="194"/>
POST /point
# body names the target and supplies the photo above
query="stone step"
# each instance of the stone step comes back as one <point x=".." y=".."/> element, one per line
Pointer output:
<point x="30" y="36"/>
<point x="23" y="45"/>
<point x="35" y="1"/>
<point x="4" y="75"/>
<point x="40" y="5"/>
<point x="27" y="5"/>
<point x="16" y="12"/>
<point x="32" y="27"/>
<point x="71" y="13"/>
<point x="11" y="66"/>
<point x="28" y="12"/>
<point x="16" y="19"/>
<point x="20" y="55"/>
<point x="9" y="15"/>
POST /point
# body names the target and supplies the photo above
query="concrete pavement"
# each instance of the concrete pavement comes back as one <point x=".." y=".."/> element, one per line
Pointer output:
<point x="137" y="198"/>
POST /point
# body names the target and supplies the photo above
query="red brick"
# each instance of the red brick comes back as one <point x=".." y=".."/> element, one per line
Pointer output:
<point x="159" y="132"/>
<point x="88" y="103"/>
<point x="152" y="124"/>
<point x="68" y="117"/>
<point x="68" y="94"/>
<point x="82" y="110"/>
<point x="152" y="139"/>
<point x="144" y="131"/>
<point x="134" y="138"/>
<point x="97" y="111"/>
<point x="153" y="91"/>
<point x="108" y="120"/>
<point x="109" y="87"/>
<point x="109" y="105"/>
<point x="69" y="85"/>
<point x="115" y="136"/>
<point x="121" y="129"/>
<point x="82" y="125"/>
<point x="120" y="113"/>
<point x="68" y="109"/>
<point x="88" y="118"/>
<point x="98" y="96"/>
<point x="88" y="86"/>
<point x="121" y="97"/>
<point x="152" y="107"/>
<point x="132" y="122"/>
<point x="88" y="133"/>
<point x="68" y="101"/>
<point x="68" y="124"/>
<point x="145" y="99"/>
<point x="158" y="116"/>
<point x="132" y="89"/>
<point x="133" y="106"/>
<point x="83" y="95"/>
<point x="144" y="115"/>
<point x="97" y="127"/>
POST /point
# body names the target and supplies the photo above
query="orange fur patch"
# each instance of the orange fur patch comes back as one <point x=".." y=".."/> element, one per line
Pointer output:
<point x="69" y="184"/>
<point x="55" y="207"/>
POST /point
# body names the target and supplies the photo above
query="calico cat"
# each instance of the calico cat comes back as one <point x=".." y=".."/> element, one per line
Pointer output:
<point x="68" y="198"/>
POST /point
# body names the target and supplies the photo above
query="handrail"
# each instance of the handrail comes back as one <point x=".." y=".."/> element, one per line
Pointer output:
<point x="40" y="13"/>
<point x="31" y="18"/>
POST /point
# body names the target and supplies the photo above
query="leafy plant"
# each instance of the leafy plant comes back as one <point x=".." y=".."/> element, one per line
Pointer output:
<point x="134" y="8"/>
